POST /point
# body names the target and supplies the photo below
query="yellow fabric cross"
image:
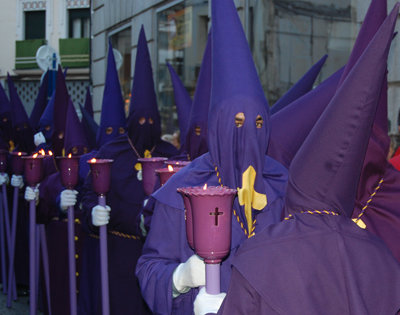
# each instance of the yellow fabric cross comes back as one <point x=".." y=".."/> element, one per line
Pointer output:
<point x="249" y="197"/>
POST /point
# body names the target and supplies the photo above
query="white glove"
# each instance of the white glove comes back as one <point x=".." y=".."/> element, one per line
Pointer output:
<point x="39" y="138"/>
<point x="190" y="274"/>
<point x="17" y="181"/>
<point x="4" y="179"/>
<point x="100" y="215"/>
<point x="207" y="303"/>
<point x="68" y="198"/>
<point x="32" y="193"/>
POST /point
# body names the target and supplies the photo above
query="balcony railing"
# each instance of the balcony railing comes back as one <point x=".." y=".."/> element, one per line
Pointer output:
<point x="25" y="53"/>
<point x="74" y="52"/>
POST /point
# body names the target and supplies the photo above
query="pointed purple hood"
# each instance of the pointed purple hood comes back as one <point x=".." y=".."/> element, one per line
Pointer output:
<point x="23" y="133"/>
<point x="238" y="120"/>
<point x="144" y="124"/>
<point x="19" y="115"/>
<point x="113" y="121"/>
<point x="46" y="123"/>
<point x="88" y="102"/>
<point x="5" y="116"/>
<point x="90" y="127"/>
<point x="304" y="85"/>
<point x="326" y="169"/>
<point x="61" y="99"/>
<point x="183" y="103"/>
<point x="40" y="103"/>
<point x="75" y="138"/>
<point x="196" y="138"/>
<point x="287" y="137"/>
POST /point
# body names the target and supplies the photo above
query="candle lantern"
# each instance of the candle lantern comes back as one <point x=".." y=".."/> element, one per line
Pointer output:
<point x="166" y="172"/>
<point x="149" y="165"/>
<point x="33" y="168"/>
<point x="188" y="214"/>
<point x="68" y="167"/>
<point x="17" y="164"/>
<point x="212" y="215"/>
<point x="175" y="163"/>
<point x="101" y="177"/>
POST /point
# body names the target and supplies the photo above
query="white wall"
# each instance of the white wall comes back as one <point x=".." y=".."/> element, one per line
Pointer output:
<point x="7" y="36"/>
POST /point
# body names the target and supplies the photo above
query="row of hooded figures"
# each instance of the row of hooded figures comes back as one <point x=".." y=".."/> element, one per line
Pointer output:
<point x="315" y="218"/>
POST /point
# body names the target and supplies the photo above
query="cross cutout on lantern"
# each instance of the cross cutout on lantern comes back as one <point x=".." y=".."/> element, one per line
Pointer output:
<point x="216" y="214"/>
<point x="31" y="165"/>
<point x="96" y="173"/>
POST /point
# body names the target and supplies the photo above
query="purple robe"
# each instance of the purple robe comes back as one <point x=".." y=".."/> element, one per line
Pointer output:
<point x="161" y="255"/>
<point x="336" y="282"/>
<point x="124" y="244"/>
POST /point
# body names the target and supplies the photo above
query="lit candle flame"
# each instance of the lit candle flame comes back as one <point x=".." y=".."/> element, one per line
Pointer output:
<point x="42" y="152"/>
<point x="93" y="160"/>
<point x="69" y="155"/>
<point x="19" y="153"/>
<point x="205" y="186"/>
<point x="170" y="168"/>
<point x="50" y="153"/>
<point x="35" y="155"/>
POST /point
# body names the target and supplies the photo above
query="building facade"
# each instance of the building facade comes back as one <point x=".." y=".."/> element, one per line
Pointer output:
<point x="62" y="25"/>
<point x="286" y="38"/>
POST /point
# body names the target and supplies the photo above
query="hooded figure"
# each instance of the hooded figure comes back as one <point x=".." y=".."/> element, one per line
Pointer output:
<point x="90" y="127"/>
<point x="46" y="124"/>
<point x="144" y="124"/>
<point x="332" y="265"/>
<point x="75" y="138"/>
<point x="303" y="86"/>
<point x="112" y="122"/>
<point x="23" y="133"/>
<point x="169" y="272"/>
<point x="52" y="211"/>
<point x="6" y="119"/>
<point x="196" y="138"/>
<point x="40" y="103"/>
<point x="125" y="198"/>
<point x="376" y="208"/>
<point x="61" y="100"/>
<point x="183" y="103"/>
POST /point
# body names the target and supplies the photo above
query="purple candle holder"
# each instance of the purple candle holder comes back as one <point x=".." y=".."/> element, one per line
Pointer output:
<point x="33" y="174"/>
<point x="101" y="175"/>
<point x="212" y="216"/>
<point x="68" y="167"/>
<point x="3" y="160"/>
<point x="166" y="173"/>
<point x="188" y="214"/>
<point x="17" y="164"/>
<point x="33" y="168"/>
<point x="149" y="165"/>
